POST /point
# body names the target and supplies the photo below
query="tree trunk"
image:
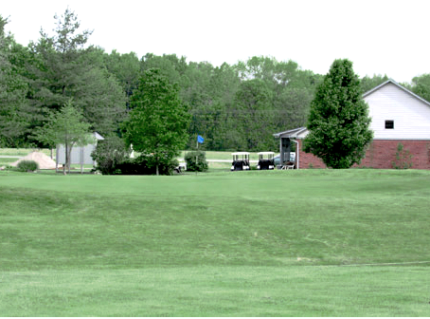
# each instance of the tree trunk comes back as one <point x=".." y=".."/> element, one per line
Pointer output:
<point x="66" y="148"/>
<point x="68" y="158"/>
<point x="156" y="169"/>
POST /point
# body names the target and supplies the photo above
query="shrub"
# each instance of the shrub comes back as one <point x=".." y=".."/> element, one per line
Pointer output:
<point x="142" y="165"/>
<point x="27" y="166"/>
<point x="192" y="166"/>
<point x="109" y="153"/>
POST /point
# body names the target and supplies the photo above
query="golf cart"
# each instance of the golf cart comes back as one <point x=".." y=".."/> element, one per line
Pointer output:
<point x="240" y="161"/>
<point x="266" y="160"/>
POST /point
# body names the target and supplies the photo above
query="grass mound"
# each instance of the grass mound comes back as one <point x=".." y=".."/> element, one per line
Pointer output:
<point x="264" y="226"/>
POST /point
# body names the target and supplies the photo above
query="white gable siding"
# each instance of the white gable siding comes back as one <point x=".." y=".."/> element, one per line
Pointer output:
<point x="411" y="116"/>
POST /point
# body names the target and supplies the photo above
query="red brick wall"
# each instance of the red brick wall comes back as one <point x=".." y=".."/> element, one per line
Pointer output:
<point x="380" y="154"/>
<point x="308" y="160"/>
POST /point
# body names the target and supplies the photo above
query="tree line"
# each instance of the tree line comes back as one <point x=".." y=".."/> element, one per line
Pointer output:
<point x="235" y="107"/>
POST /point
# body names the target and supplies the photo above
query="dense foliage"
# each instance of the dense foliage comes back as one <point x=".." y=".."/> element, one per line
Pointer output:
<point x="196" y="161"/>
<point x="146" y="165"/>
<point x="109" y="153"/>
<point x="339" y="122"/>
<point x="235" y="107"/>
<point x="27" y="166"/>
<point x="158" y="121"/>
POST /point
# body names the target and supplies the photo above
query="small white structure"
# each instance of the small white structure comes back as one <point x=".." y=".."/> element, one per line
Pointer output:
<point x="80" y="155"/>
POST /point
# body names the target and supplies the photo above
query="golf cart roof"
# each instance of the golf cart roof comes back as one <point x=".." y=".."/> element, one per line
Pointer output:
<point x="266" y="153"/>
<point x="240" y="153"/>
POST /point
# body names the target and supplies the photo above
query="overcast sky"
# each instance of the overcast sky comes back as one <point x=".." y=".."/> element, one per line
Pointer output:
<point x="378" y="36"/>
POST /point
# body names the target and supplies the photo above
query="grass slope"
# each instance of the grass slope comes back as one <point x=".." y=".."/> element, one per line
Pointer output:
<point x="275" y="243"/>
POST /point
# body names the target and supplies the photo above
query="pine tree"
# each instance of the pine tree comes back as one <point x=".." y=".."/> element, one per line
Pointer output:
<point x="339" y="122"/>
<point x="14" y="117"/>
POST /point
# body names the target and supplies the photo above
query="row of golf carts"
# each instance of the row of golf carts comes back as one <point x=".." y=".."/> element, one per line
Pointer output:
<point x="266" y="160"/>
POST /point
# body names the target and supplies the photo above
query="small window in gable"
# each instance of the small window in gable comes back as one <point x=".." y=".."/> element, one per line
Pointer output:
<point x="389" y="124"/>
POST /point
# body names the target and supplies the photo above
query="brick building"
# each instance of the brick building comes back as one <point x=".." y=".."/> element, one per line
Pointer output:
<point x="400" y="118"/>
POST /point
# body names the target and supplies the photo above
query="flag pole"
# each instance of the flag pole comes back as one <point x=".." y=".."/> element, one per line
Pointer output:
<point x="197" y="153"/>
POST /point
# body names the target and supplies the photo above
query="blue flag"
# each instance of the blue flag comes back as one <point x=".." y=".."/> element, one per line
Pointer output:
<point x="200" y="139"/>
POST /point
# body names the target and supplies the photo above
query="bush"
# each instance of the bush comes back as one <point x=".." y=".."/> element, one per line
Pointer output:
<point x="200" y="166"/>
<point x="27" y="166"/>
<point x="142" y="165"/>
<point x="109" y="153"/>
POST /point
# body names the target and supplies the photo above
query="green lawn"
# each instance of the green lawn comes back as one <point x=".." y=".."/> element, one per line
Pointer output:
<point x="277" y="243"/>
<point x="23" y="151"/>
<point x="7" y="161"/>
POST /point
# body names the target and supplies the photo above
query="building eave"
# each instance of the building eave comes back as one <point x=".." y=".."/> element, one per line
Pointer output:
<point x="290" y="133"/>
<point x="400" y="87"/>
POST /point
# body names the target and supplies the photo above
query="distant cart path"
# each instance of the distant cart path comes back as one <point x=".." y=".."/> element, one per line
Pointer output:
<point x="11" y="156"/>
<point x="209" y="160"/>
<point x="226" y="161"/>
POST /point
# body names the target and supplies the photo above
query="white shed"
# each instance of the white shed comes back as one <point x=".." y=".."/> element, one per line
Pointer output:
<point x="80" y="155"/>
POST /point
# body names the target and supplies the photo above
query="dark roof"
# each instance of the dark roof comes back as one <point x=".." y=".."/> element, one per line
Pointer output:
<point x="290" y="133"/>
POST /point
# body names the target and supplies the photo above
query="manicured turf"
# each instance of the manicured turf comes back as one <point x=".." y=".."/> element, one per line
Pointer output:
<point x="278" y="243"/>
<point x="7" y="161"/>
<point x="23" y="151"/>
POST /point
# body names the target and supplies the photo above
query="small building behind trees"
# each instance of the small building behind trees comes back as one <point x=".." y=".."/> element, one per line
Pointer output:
<point x="401" y="131"/>
<point x="80" y="155"/>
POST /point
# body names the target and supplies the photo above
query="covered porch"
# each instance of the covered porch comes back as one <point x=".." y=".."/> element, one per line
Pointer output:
<point x="286" y="140"/>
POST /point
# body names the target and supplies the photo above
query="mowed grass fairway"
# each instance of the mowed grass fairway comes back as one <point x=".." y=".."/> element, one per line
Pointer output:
<point x="278" y="243"/>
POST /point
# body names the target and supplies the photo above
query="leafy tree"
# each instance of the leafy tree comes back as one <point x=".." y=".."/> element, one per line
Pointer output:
<point x="109" y="153"/>
<point x="14" y="112"/>
<point x="67" y="127"/>
<point x="292" y="108"/>
<point x="338" y="122"/>
<point x="369" y="83"/>
<point x="158" y="121"/>
<point x="126" y="68"/>
<point x="421" y="86"/>
<point x="196" y="161"/>
<point x="254" y="114"/>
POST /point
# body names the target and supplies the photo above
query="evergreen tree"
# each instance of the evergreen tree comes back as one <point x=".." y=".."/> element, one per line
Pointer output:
<point x="63" y="67"/>
<point x="339" y="122"/>
<point x="14" y="113"/>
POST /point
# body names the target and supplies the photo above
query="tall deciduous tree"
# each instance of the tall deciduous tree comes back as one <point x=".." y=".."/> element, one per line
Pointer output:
<point x="421" y="86"/>
<point x="158" y="121"/>
<point x="254" y="114"/>
<point x="339" y="122"/>
<point x="369" y="83"/>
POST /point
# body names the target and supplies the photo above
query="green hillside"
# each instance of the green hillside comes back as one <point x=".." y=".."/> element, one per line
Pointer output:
<point x="216" y="244"/>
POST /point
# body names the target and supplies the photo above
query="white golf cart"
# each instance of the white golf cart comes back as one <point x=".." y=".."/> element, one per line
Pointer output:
<point x="240" y="161"/>
<point x="266" y="160"/>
